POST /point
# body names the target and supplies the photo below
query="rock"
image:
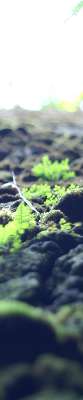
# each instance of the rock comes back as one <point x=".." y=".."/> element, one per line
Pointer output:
<point x="66" y="284"/>
<point x="23" y="276"/>
<point x="40" y="353"/>
<point x="72" y="206"/>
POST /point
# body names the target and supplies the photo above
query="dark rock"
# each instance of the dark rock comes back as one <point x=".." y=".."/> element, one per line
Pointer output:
<point x="23" y="276"/>
<point x="67" y="241"/>
<point x="72" y="206"/>
<point x="4" y="133"/>
<point x="66" y="282"/>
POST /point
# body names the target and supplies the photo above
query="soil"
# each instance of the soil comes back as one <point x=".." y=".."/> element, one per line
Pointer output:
<point x="41" y="284"/>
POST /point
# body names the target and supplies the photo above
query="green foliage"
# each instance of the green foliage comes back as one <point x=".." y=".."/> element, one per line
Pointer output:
<point x="37" y="190"/>
<point x="52" y="196"/>
<point x="64" y="225"/>
<point x="24" y="219"/>
<point x="64" y="105"/>
<point x="72" y="188"/>
<point x="58" y="192"/>
<point x="77" y="8"/>
<point x="56" y="170"/>
<point x="79" y="100"/>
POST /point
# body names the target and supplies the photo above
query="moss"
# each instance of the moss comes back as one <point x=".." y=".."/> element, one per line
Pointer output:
<point x="65" y="225"/>
<point x="50" y="371"/>
<point x="63" y="326"/>
<point x="52" y="215"/>
<point x="13" y="225"/>
<point x="64" y="322"/>
<point x="56" y="194"/>
<point x="49" y="170"/>
<point x="51" y="196"/>
<point x="59" y="191"/>
<point x="52" y="363"/>
<point x="53" y="395"/>
<point x="23" y="220"/>
<point x="37" y="190"/>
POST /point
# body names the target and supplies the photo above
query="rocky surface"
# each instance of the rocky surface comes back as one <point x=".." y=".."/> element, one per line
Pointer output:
<point x="41" y="282"/>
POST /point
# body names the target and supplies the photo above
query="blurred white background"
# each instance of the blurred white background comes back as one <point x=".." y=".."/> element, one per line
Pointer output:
<point x="41" y="55"/>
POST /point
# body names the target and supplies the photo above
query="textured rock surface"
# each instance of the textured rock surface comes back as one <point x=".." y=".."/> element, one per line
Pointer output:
<point x="66" y="283"/>
<point x="72" y="206"/>
<point x="41" y="284"/>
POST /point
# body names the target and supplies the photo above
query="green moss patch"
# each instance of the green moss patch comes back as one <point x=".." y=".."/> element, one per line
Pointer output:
<point x="14" y="224"/>
<point x="61" y="325"/>
<point x="40" y="352"/>
<point x="65" y="226"/>
<point x="38" y="190"/>
<point x="51" y="196"/>
<point x="49" y="170"/>
<point x="23" y="220"/>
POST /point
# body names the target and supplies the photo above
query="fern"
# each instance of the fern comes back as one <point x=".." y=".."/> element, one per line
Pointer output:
<point x="24" y="219"/>
<point x="56" y="170"/>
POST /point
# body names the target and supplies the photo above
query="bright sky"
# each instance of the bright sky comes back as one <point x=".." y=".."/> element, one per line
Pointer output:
<point x="41" y="57"/>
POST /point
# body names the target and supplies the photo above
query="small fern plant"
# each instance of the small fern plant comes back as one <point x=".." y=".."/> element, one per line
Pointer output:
<point x="55" y="171"/>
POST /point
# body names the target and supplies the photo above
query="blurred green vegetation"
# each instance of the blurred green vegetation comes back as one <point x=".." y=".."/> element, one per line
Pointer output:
<point x="56" y="170"/>
<point x="25" y="220"/>
<point x="77" y="8"/>
<point x="13" y="226"/>
<point x="64" y="105"/>
<point x="12" y="231"/>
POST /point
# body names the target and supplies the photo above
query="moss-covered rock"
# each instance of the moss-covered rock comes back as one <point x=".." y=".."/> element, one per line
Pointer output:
<point x="41" y="347"/>
<point x="40" y="352"/>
